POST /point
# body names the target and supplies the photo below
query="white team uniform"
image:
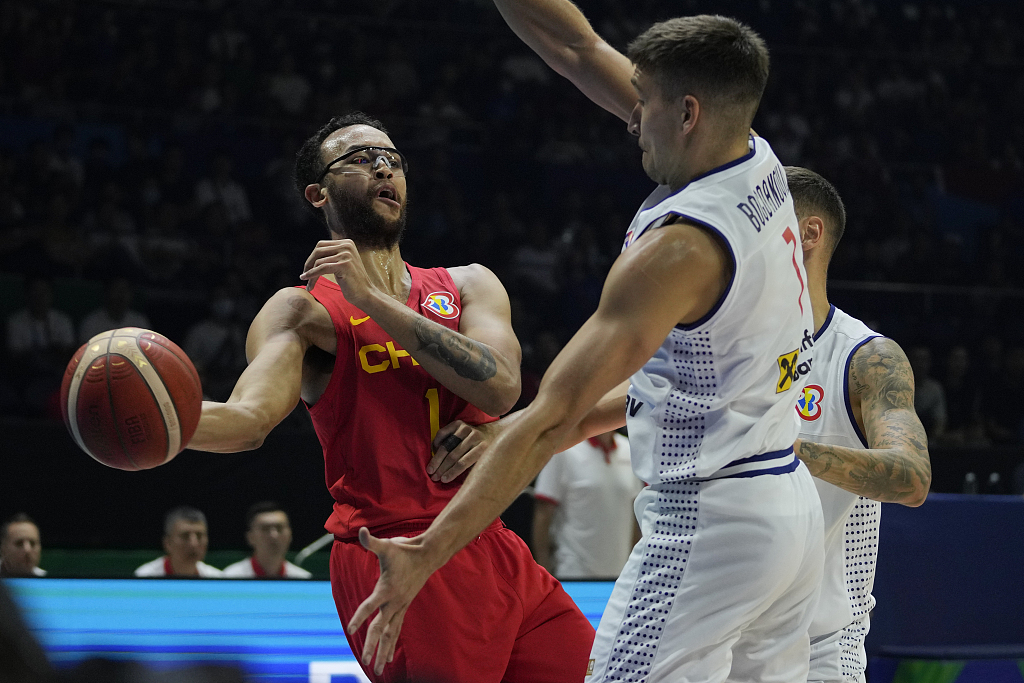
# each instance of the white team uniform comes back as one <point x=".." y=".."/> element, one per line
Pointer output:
<point x="724" y="582"/>
<point x="158" y="567"/>
<point x="593" y="524"/>
<point x="243" y="569"/>
<point x="851" y="521"/>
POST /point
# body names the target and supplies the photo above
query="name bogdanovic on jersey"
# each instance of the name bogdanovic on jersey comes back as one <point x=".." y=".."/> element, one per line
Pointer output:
<point x="723" y="388"/>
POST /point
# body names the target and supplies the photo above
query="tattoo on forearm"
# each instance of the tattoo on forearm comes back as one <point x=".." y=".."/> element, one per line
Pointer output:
<point x="468" y="358"/>
<point x="897" y="468"/>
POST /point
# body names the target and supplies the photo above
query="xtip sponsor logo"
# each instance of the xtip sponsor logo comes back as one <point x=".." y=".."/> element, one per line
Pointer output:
<point x="808" y="406"/>
<point x="790" y="369"/>
<point x="441" y="305"/>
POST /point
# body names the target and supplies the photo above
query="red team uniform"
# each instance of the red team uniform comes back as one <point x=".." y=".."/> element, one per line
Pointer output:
<point x="491" y="613"/>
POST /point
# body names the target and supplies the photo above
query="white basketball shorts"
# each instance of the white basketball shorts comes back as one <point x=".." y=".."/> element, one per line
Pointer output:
<point x="721" y="587"/>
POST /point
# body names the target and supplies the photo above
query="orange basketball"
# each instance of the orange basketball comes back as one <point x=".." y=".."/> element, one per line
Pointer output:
<point x="131" y="398"/>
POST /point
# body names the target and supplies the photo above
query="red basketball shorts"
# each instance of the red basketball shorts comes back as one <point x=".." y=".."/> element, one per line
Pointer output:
<point x="490" y="615"/>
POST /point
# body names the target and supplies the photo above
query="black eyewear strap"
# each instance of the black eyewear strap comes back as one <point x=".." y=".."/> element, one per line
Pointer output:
<point x="346" y="155"/>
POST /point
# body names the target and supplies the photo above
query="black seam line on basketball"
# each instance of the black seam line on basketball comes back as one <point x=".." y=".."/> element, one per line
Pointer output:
<point x="156" y="402"/>
<point x="113" y="413"/>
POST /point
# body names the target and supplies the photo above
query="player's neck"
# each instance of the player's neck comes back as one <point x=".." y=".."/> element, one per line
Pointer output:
<point x="820" y="306"/>
<point x="387" y="271"/>
<point x="712" y="155"/>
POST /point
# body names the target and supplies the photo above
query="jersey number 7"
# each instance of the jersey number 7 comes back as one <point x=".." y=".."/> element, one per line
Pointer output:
<point x="791" y="238"/>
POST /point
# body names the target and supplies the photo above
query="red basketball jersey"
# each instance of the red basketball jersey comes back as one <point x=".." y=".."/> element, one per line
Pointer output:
<point x="380" y="412"/>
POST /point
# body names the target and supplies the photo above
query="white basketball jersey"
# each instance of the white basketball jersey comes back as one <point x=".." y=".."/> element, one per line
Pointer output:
<point x="851" y="521"/>
<point x="717" y="397"/>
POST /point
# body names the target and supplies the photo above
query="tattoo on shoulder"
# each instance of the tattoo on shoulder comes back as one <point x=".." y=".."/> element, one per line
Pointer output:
<point x="468" y="358"/>
<point x="880" y="374"/>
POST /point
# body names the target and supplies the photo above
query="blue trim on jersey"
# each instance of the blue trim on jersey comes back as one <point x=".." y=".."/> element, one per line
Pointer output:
<point x="786" y="455"/>
<point x="784" y="469"/>
<point x="732" y="278"/>
<point x="770" y="455"/>
<point x="828" y="321"/>
<point x="846" y="389"/>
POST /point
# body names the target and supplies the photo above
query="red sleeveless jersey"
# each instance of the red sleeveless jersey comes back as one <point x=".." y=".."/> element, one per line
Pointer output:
<point x="380" y="412"/>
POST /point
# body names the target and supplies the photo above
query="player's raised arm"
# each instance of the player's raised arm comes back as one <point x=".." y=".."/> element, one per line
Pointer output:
<point x="672" y="275"/>
<point x="895" y="467"/>
<point x="560" y="34"/>
<point x="269" y="388"/>
<point x="480" y="363"/>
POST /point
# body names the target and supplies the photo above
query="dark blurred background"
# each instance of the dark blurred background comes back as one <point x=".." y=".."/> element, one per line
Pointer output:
<point x="146" y="149"/>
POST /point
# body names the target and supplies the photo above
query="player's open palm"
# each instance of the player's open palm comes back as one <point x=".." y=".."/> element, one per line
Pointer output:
<point x="402" y="574"/>
<point x="339" y="258"/>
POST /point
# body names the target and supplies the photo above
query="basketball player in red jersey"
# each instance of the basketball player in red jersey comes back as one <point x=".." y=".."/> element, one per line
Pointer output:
<point x="383" y="354"/>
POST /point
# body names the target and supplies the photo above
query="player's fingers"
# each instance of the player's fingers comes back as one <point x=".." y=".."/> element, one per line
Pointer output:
<point x="372" y="638"/>
<point x="368" y="607"/>
<point x="438" y="444"/>
<point x="388" y="642"/>
<point x="461" y="457"/>
<point x="322" y="247"/>
<point x="471" y="458"/>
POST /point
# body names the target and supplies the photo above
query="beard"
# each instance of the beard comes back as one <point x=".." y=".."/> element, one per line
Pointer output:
<point x="358" y="221"/>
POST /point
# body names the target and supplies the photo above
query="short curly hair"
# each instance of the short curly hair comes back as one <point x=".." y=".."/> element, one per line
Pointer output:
<point x="308" y="162"/>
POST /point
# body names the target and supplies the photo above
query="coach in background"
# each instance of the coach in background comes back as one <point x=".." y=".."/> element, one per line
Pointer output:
<point x="584" y="509"/>
<point x="185" y="542"/>
<point x="269" y="534"/>
<point x="20" y="547"/>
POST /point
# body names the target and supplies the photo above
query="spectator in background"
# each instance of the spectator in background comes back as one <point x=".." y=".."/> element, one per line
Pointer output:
<point x="216" y="346"/>
<point x="221" y="187"/>
<point x="40" y="340"/>
<point x="115" y="312"/>
<point x="63" y="160"/>
<point x="20" y="547"/>
<point x="1004" y="407"/>
<point x="584" y="510"/>
<point x="268" y="533"/>
<point x="289" y="88"/>
<point x="964" y="426"/>
<point x="185" y="542"/>
<point x="929" y="397"/>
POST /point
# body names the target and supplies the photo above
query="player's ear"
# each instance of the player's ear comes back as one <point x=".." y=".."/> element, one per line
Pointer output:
<point x="812" y="232"/>
<point x="315" y="194"/>
<point x="689" y="112"/>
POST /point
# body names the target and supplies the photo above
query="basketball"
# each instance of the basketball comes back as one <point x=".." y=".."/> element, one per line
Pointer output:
<point x="131" y="398"/>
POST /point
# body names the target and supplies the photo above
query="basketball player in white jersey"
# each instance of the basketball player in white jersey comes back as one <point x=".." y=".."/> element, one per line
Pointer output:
<point x="859" y="436"/>
<point x="706" y="312"/>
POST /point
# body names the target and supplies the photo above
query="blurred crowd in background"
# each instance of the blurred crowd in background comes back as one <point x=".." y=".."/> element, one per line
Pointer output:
<point x="146" y="150"/>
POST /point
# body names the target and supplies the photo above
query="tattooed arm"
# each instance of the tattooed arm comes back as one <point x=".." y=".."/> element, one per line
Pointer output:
<point x="480" y="362"/>
<point x="895" y="467"/>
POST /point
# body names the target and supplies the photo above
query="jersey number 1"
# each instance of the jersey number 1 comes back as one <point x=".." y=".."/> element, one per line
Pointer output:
<point x="434" y="406"/>
<point x="790" y="237"/>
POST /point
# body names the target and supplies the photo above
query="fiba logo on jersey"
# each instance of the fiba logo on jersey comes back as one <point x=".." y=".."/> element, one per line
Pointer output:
<point x="808" y="406"/>
<point x="441" y="305"/>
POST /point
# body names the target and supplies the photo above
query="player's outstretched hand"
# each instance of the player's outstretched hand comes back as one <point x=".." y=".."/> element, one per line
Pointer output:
<point x="403" y="572"/>
<point x="457" y="447"/>
<point x="339" y="258"/>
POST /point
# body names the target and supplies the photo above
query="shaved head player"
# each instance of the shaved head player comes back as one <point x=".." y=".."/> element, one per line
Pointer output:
<point x="383" y="353"/>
